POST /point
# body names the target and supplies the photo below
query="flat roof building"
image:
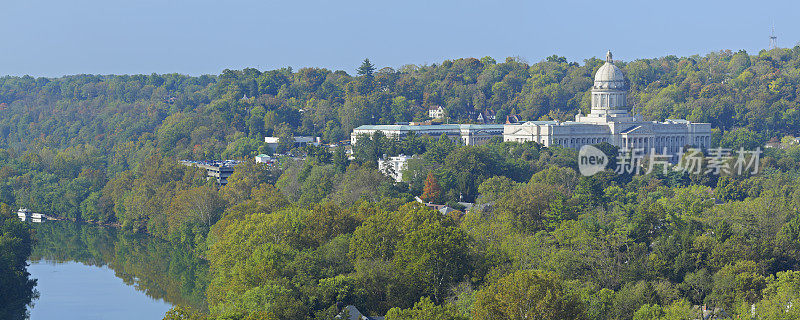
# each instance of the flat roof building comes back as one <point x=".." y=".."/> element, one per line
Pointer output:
<point x="469" y="134"/>
<point x="219" y="170"/>
<point x="297" y="142"/>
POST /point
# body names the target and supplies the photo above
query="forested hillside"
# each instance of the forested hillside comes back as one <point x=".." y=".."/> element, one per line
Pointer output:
<point x="216" y="116"/>
<point x="323" y="231"/>
<point x="78" y="132"/>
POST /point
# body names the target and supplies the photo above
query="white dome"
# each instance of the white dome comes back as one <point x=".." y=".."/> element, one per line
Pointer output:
<point x="609" y="76"/>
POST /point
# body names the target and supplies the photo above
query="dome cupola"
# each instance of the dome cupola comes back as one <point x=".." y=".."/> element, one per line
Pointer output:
<point x="608" y="92"/>
<point x="609" y="76"/>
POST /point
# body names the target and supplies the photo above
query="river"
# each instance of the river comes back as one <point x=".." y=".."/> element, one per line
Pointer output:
<point x="90" y="272"/>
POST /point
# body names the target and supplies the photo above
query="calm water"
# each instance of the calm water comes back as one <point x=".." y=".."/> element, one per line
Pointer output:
<point x="91" y="272"/>
<point x="72" y="290"/>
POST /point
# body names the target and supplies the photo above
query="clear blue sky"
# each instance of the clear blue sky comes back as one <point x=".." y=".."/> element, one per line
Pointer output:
<point x="57" y="37"/>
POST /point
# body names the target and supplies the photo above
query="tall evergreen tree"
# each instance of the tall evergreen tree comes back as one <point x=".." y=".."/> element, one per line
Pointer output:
<point x="366" y="69"/>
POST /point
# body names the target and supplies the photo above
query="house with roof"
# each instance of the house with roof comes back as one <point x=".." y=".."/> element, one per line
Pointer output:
<point x="263" y="158"/>
<point x="351" y="313"/>
<point x="486" y="116"/>
<point x="436" y="112"/>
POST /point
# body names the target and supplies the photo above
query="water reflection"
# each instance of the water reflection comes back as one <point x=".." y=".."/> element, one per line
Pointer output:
<point x="158" y="268"/>
<point x="75" y="291"/>
<point x="17" y="287"/>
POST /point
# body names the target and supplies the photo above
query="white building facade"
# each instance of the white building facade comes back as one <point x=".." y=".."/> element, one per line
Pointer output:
<point x="610" y="122"/>
<point x="393" y="167"/>
<point x="298" y="142"/>
<point x="469" y="134"/>
<point x="436" y="112"/>
<point x="263" y="158"/>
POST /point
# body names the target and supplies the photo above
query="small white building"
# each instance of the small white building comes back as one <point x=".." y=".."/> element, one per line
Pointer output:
<point x="436" y="112"/>
<point x="23" y="214"/>
<point x="393" y="166"/>
<point x="298" y="142"/>
<point x="26" y="215"/>
<point x="486" y="116"/>
<point x="263" y="158"/>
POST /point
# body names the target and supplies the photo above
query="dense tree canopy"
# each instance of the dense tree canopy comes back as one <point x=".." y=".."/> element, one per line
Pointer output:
<point x="322" y="230"/>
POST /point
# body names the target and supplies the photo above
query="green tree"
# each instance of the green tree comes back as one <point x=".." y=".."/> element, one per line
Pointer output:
<point x="376" y="238"/>
<point x="366" y="69"/>
<point x="527" y="294"/>
<point x="425" y="309"/>
<point x="366" y="82"/>
<point x="340" y="160"/>
<point x="430" y="258"/>
<point x="494" y="188"/>
<point x="649" y="312"/>
<point x="17" y="286"/>
<point x="780" y="296"/>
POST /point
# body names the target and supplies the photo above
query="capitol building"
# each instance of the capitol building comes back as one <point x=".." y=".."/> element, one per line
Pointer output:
<point x="609" y="121"/>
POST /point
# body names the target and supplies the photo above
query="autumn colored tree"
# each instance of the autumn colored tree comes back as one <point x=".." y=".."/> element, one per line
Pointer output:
<point x="432" y="192"/>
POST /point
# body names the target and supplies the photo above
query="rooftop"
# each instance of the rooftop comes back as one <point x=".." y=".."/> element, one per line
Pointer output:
<point x="405" y="127"/>
<point x="212" y="163"/>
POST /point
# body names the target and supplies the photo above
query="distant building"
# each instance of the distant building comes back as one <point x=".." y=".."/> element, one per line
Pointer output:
<point x="784" y="143"/>
<point x="471" y="114"/>
<point x="436" y="112"/>
<point x="23" y="214"/>
<point x="486" y="116"/>
<point x="298" y="142"/>
<point x="512" y="119"/>
<point x="393" y="166"/>
<point x="469" y="134"/>
<point x="418" y="123"/>
<point x="263" y="158"/>
<point x="609" y="122"/>
<point x="352" y="313"/>
<point x="775" y="144"/>
<point x="446" y="210"/>
<point x="219" y="170"/>
<point x="26" y="215"/>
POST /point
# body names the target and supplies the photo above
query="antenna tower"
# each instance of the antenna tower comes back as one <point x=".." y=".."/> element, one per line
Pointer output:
<point x="773" y="39"/>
